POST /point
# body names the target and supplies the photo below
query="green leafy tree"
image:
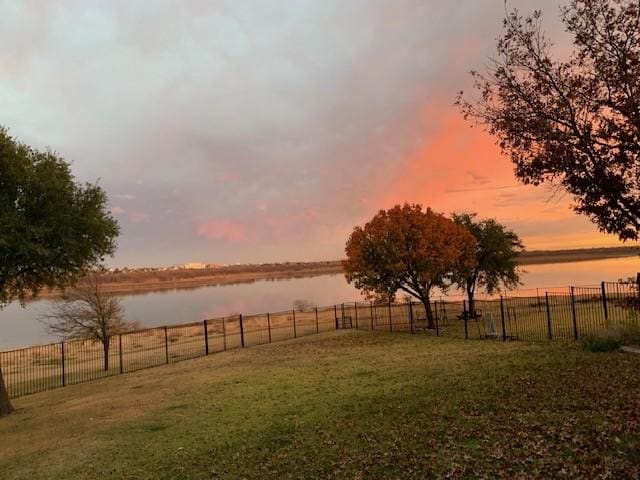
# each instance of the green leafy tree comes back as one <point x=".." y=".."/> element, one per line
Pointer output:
<point x="52" y="229"/>
<point x="572" y="121"/>
<point x="409" y="249"/>
<point x="496" y="255"/>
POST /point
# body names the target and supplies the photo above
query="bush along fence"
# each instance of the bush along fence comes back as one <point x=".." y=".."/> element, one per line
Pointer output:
<point x="567" y="315"/>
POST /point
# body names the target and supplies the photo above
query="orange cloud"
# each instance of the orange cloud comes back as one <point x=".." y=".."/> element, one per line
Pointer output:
<point x="459" y="168"/>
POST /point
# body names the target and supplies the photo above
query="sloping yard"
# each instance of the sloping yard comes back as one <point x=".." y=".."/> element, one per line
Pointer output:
<point x="342" y="405"/>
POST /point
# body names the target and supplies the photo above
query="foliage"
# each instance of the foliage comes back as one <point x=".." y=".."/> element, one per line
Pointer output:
<point x="631" y="300"/>
<point x="628" y="302"/>
<point x="574" y="123"/>
<point x="497" y="251"/>
<point x="630" y="336"/>
<point x="302" y="305"/>
<point x="597" y="343"/>
<point x="408" y="249"/>
<point x="611" y="339"/>
<point x="51" y="228"/>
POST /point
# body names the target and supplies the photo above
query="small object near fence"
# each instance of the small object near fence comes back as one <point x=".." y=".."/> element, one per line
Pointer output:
<point x="564" y="316"/>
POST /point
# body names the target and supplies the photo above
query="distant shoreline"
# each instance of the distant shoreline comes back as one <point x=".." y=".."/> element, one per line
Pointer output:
<point x="539" y="257"/>
<point x="134" y="282"/>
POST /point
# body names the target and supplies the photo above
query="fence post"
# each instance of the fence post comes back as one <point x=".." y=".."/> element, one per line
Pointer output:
<point x="410" y="316"/>
<point x="546" y="296"/>
<point x="437" y="320"/>
<point x="224" y="334"/>
<point x="317" y="324"/>
<point x="390" y="324"/>
<point x="464" y="317"/>
<point x="573" y="314"/>
<point x="166" y="344"/>
<point x="371" y="304"/>
<point x="295" y="333"/>
<point x="335" y="314"/>
<point x="355" y="304"/>
<point x="504" y="329"/>
<point x="120" y="352"/>
<point x="241" y="331"/>
<point x="62" y="363"/>
<point x="206" y="337"/>
<point x="603" y="288"/>
<point x="269" y="325"/>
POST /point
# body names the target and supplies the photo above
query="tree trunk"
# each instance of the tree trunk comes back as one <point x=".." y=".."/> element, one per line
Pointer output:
<point x="472" y="303"/>
<point x="105" y="346"/>
<point x="5" y="404"/>
<point x="427" y="308"/>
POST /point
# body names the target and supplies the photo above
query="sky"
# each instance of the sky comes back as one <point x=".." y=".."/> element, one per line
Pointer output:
<point x="260" y="131"/>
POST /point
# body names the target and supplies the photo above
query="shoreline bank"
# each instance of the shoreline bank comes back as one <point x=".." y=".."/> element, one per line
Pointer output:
<point x="132" y="283"/>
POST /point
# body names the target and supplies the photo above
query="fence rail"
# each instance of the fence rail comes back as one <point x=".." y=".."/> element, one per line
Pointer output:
<point x="550" y="315"/>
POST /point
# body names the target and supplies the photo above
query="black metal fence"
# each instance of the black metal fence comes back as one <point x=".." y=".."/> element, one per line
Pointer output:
<point x="548" y="315"/>
<point x="553" y="315"/>
<point x="35" y="369"/>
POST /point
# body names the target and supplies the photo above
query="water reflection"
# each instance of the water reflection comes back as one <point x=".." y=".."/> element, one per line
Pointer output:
<point x="19" y="326"/>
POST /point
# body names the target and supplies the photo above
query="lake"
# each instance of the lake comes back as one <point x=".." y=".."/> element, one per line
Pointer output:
<point x="20" y="326"/>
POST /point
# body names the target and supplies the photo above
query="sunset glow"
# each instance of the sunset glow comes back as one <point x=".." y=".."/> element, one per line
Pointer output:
<point x="232" y="134"/>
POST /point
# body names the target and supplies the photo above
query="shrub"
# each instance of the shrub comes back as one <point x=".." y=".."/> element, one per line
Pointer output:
<point x="611" y="339"/>
<point x="630" y="336"/>
<point x="594" y="343"/>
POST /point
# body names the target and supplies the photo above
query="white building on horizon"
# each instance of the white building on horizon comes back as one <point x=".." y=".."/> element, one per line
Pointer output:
<point x="194" y="266"/>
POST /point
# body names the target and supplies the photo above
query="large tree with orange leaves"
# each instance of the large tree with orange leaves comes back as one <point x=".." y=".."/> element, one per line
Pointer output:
<point x="409" y="249"/>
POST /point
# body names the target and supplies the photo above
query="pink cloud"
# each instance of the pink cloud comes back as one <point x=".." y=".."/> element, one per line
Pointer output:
<point x="229" y="176"/>
<point x="295" y="222"/>
<point x="140" y="217"/>
<point x="459" y="168"/>
<point x="222" y="230"/>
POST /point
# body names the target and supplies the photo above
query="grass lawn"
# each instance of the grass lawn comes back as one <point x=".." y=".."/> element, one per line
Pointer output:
<point x="342" y="405"/>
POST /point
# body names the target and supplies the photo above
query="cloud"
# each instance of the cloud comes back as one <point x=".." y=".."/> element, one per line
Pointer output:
<point x="224" y="230"/>
<point x="279" y="124"/>
<point x="478" y="178"/>
<point x="124" y="196"/>
<point x="140" y="217"/>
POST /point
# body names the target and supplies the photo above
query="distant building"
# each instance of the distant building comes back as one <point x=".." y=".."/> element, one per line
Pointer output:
<point x="194" y="266"/>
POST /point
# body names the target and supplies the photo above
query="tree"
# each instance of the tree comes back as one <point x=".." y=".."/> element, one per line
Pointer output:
<point x="497" y="251"/>
<point x="52" y="229"/>
<point x="574" y="123"/>
<point x="409" y="249"/>
<point x="302" y="305"/>
<point x="88" y="313"/>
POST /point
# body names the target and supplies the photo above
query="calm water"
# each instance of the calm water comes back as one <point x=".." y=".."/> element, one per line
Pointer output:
<point x="20" y="326"/>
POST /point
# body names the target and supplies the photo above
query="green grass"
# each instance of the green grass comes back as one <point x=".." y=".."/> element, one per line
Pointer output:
<point x="598" y="344"/>
<point x="342" y="405"/>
